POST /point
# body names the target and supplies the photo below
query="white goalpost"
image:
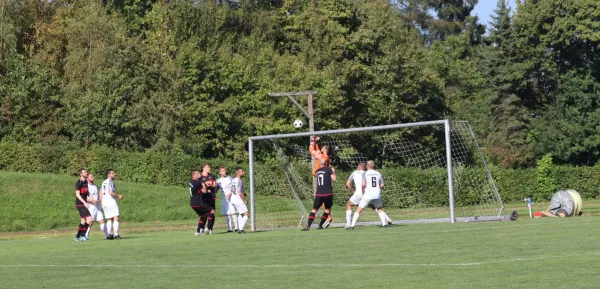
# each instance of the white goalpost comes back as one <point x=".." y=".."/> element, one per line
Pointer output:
<point x="434" y="171"/>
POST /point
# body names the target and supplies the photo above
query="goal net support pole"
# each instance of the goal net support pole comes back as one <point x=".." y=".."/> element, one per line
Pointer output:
<point x="449" y="168"/>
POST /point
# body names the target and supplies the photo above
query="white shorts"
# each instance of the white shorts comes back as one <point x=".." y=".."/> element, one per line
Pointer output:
<point x="111" y="211"/>
<point x="96" y="212"/>
<point x="367" y="201"/>
<point x="237" y="207"/>
<point x="355" y="199"/>
<point x="225" y="208"/>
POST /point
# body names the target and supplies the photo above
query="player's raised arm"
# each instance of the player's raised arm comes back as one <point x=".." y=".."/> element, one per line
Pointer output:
<point x="313" y="148"/>
<point x="333" y="176"/>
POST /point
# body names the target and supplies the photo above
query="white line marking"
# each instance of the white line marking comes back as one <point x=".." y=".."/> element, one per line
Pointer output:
<point x="295" y="265"/>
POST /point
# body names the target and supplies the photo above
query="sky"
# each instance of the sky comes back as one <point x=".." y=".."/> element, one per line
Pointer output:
<point x="485" y="8"/>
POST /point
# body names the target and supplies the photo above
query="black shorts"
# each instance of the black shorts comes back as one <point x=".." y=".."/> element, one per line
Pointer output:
<point x="211" y="203"/>
<point x="326" y="201"/>
<point x="83" y="211"/>
<point x="202" y="209"/>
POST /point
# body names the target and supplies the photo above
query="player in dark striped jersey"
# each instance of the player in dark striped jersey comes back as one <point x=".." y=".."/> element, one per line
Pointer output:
<point x="325" y="177"/>
<point x="81" y="203"/>
<point x="210" y="183"/>
<point x="197" y="192"/>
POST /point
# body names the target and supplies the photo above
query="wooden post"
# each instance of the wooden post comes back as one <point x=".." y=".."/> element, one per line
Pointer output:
<point x="309" y="114"/>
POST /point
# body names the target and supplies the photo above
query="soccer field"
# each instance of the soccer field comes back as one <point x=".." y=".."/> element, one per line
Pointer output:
<point x="553" y="253"/>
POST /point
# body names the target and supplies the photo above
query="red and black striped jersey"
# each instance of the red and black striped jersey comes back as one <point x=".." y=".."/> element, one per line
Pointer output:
<point x="324" y="182"/>
<point x="82" y="187"/>
<point x="196" y="193"/>
<point x="210" y="182"/>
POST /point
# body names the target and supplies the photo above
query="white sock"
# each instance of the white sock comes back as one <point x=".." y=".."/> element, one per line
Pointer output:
<point x="242" y="221"/>
<point x="387" y="219"/>
<point x="116" y="227"/>
<point x="228" y="222"/>
<point x="87" y="233"/>
<point x="103" y="227"/>
<point x="348" y="217"/>
<point x="382" y="217"/>
<point x="109" y="226"/>
<point x="354" y="219"/>
<point x="235" y="221"/>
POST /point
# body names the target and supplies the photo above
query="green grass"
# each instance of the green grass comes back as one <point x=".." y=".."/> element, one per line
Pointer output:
<point x="160" y="251"/>
<point x="561" y="253"/>
<point x="38" y="202"/>
<point x="47" y="201"/>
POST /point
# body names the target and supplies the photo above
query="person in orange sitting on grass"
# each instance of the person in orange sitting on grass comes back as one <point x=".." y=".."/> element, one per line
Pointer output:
<point x="320" y="154"/>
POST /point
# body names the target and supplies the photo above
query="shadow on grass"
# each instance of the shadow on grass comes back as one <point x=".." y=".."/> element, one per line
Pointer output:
<point x="125" y="238"/>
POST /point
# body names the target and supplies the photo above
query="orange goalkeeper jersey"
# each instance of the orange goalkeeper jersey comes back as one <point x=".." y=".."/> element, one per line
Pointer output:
<point x="319" y="156"/>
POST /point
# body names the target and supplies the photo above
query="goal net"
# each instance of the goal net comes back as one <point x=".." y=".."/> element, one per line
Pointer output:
<point x="433" y="172"/>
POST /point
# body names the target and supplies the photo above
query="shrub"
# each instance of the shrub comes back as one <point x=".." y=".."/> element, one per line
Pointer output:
<point x="424" y="187"/>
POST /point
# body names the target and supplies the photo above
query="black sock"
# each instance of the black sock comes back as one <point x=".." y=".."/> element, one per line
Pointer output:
<point x="311" y="218"/>
<point x="204" y="218"/>
<point x="79" y="231"/>
<point x="200" y="225"/>
<point x="211" y="221"/>
<point x="324" y="218"/>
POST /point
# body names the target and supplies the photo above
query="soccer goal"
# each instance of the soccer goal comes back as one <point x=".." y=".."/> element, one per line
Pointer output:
<point x="433" y="171"/>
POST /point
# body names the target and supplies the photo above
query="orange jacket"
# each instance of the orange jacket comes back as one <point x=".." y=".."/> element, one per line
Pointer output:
<point x="319" y="156"/>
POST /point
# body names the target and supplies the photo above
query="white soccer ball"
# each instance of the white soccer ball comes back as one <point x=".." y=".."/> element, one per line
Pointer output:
<point x="298" y="123"/>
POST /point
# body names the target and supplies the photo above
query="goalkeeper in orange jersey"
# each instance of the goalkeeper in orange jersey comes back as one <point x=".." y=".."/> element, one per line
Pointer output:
<point x="320" y="154"/>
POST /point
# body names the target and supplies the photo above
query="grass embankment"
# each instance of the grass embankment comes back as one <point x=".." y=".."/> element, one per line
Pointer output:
<point x="34" y="202"/>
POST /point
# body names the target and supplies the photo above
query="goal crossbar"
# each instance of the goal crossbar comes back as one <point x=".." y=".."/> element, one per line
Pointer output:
<point x="445" y="122"/>
<point x="347" y="130"/>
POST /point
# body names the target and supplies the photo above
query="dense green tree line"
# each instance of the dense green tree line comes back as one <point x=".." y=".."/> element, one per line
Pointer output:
<point x="194" y="75"/>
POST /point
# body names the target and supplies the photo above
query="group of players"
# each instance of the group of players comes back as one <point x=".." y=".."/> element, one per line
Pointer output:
<point x="95" y="206"/>
<point x="90" y="204"/>
<point x="203" y="189"/>
<point x="365" y="185"/>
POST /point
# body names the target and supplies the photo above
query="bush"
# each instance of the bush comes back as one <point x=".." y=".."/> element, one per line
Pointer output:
<point x="424" y="187"/>
<point x="546" y="181"/>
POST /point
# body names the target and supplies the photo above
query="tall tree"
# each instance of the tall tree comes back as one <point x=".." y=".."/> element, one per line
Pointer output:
<point x="557" y="45"/>
<point x="133" y="11"/>
<point x="500" y="24"/>
<point x="452" y="16"/>
<point x="507" y="137"/>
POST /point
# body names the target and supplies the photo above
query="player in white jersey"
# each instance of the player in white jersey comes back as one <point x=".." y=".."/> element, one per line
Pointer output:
<point x="108" y="198"/>
<point x="94" y="207"/>
<point x="237" y="200"/>
<point x="372" y="184"/>
<point x="356" y="179"/>
<point x="224" y="184"/>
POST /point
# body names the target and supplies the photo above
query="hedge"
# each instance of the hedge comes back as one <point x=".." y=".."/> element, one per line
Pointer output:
<point x="172" y="169"/>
